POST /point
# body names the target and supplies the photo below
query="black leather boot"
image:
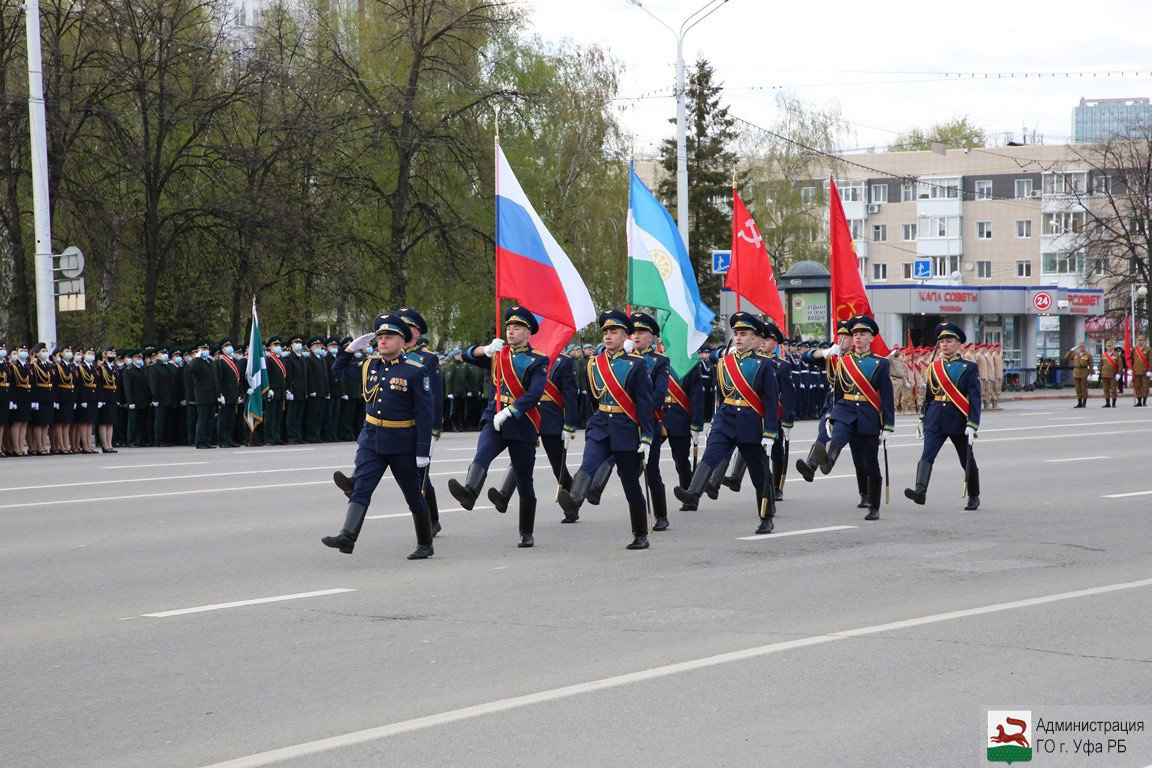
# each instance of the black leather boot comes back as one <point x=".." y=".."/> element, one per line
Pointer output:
<point x="466" y="494"/>
<point x="639" y="517"/>
<point x="862" y="489"/>
<point x="807" y="467"/>
<point x="423" y="524"/>
<point x="923" y="475"/>
<point x="831" y="454"/>
<point x="766" y="507"/>
<point x="599" y="483"/>
<point x="777" y="473"/>
<point x="735" y="472"/>
<point x="659" y="498"/>
<point x="874" y="487"/>
<point x="345" y="541"/>
<point x="343" y="482"/>
<point x="973" y="488"/>
<point x="502" y="495"/>
<point x="433" y="508"/>
<point x="712" y="488"/>
<point x="570" y="500"/>
<point x="690" y="496"/>
<point x="1107" y="402"/>
<point x="527" y="523"/>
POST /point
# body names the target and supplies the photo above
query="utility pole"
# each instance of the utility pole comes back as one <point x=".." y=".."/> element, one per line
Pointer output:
<point x="42" y="220"/>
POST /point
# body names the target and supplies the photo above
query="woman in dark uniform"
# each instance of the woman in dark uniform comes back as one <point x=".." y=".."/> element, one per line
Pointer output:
<point x="107" y="402"/>
<point x="63" y="399"/>
<point x="86" y="400"/>
<point x="5" y="396"/>
<point x="21" y="393"/>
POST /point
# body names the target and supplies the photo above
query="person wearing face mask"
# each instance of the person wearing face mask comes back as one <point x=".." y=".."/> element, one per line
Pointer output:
<point x="43" y="394"/>
<point x="349" y="398"/>
<point x="277" y="374"/>
<point x="177" y="417"/>
<point x="205" y="394"/>
<point x="331" y="413"/>
<point x="107" y="399"/>
<point x="316" y="384"/>
<point x="63" y="400"/>
<point x="229" y="379"/>
<point x="5" y="396"/>
<point x="162" y="390"/>
<point x="137" y="398"/>
<point x="120" y="430"/>
<point x="295" y="389"/>
<point x="189" y="396"/>
<point x="21" y="393"/>
<point x="85" y="416"/>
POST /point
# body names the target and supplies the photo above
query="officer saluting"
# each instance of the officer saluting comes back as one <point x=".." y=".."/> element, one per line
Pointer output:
<point x="863" y="414"/>
<point x="621" y="425"/>
<point x="746" y="419"/>
<point x="511" y="421"/>
<point x="951" y="412"/>
<point x="397" y="431"/>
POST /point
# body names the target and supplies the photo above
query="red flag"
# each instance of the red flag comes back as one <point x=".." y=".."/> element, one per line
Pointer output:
<point x="848" y="297"/>
<point x="750" y="273"/>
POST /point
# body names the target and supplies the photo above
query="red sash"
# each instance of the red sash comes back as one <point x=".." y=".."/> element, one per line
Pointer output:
<point x="1111" y="361"/>
<point x="552" y="390"/>
<point x="235" y="370"/>
<point x="614" y="386"/>
<point x="280" y="364"/>
<point x="736" y="376"/>
<point x="950" y="389"/>
<point x="1143" y="359"/>
<point x="679" y="395"/>
<point x="515" y="386"/>
<point x="848" y="363"/>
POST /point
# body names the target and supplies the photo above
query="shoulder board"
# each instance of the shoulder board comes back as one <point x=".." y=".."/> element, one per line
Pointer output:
<point x="635" y="356"/>
<point x="413" y="362"/>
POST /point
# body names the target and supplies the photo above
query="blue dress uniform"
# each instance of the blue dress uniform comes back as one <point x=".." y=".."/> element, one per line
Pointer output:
<point x="517" y="431"/>
<point x="855" y="420"/>
<point x="785" y="410"/>
<point x="737" y="425"/>
<point x="559" y="414"/>
<point x="418" y="353"/>
<point x="951" y="411"/>
<point x="617" y="428"/>
<point x="682" y="424"/>
<point x="397" y="429"/>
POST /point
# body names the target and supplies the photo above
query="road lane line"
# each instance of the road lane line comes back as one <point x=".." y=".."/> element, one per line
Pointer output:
<point x="271" y="450"/>
<point x="1126" y="495"/>
<point x="765" y="537"/>
<point x="143" y="466"/>
<point x="1077" y="458"/>
<point x="409" y="514"/>
<point x="240" y="603"/>
<point x="162" y="493"/>
<point x="642" y="676"/>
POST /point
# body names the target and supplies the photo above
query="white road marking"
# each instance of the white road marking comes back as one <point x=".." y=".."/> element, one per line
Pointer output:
<point x="238" y="604"/>
<point x="1078" y="458"/>
<point x="766" y="537"/>
<point x="1069" y="418"/>
<point x="1126" y="495"/>
<point x="263" y="450"/>
<point x="642" y="676"/>
<point x="817" y="476"/>
<point x="1035" y="413"/>
<point x="409" y="514"/>
<point x="157" y="495"/>
<point x="142" y="466"/>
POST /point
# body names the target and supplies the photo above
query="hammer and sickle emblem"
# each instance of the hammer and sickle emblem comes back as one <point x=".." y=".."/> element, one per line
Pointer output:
<point x="755" y="237"/>
<point x="845" y="310"/>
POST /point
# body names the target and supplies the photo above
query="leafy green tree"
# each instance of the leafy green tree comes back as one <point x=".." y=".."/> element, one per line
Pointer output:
<point x="957" y="133"/>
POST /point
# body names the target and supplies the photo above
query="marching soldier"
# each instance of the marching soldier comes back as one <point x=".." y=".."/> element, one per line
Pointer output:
<point x="951" y="412"/>
<point x="559" y="412"/>
<point x="862" y="415"/>
<point x="1111" y="366"/>
<point x="684" y="410"/>
<point x="512" y="420"/>
<point x="620" y="427"/>
<point x="397" y="431"/>
<point x="1141" y="354"/>
<point x="746" y="419"/>
<point x="1081" y="361"/>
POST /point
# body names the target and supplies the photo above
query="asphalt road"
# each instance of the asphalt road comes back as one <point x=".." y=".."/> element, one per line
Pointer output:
<point x="872" y="643"/>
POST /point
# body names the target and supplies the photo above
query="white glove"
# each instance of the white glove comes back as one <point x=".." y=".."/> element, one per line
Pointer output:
<point x="784" y="432"/>
<point x="57" y="405"/>
<point x="36" y="406"/>
<point x="566" y="438"/>
<point x="182" y="402"/>
<point x="155" y="404"/>
<point x="832" y="350"/>
<point x="469" y="394"/>
<point x="251" y="390"/>
<point x="696" y="437"/>
<point x="343" y="397"/>
<point x="289" y="395"/>
<point x="971" y="432"/>
<point x="239" y="400"/>
<point x="501" y="416"/>
<point x="494" y="347"/>
<point x="451" y="397"/>
<point x="360" y="342"/>
<point x="271" y="394"/>
<point x="12" y="406"/>
<point x="920" y="431"/>
<point x="766" y="443"/>
<point x="219" y="400"/>
<point x="422" y="461"/>
<point x="310" y="394"/>
<point x="643" y="450"/>
<point x="884" y="437"/>
<point x="629" y="345"/>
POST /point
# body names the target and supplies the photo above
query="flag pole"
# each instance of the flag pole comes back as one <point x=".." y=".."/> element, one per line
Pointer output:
<point x="628" y="232"/>
<point x="495" y="248"/>
<point x="732" y="257"/>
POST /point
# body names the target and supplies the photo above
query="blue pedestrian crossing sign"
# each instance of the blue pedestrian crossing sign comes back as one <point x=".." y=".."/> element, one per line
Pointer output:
<point x="721" y="260"/>
<point x="921" y="269"/>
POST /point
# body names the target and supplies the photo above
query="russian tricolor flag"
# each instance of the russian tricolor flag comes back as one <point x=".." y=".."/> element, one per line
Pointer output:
<point x="533" y="269"/>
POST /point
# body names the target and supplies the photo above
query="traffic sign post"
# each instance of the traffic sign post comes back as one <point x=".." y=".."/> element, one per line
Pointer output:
<point x="922" y="269"/>
<point x="721" y="260"/>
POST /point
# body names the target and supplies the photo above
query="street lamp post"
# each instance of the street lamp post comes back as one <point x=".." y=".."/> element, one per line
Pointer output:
<point x="693" y="19"/>
<point x="1134" y="294"/>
